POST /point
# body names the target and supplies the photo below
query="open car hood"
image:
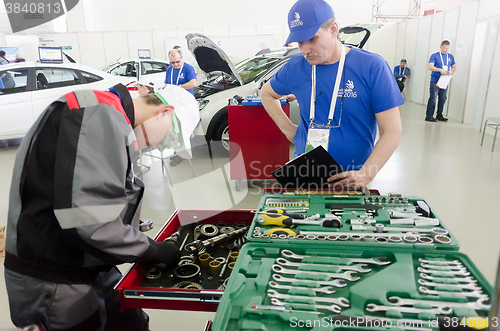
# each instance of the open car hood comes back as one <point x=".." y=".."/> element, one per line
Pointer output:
<point x="209" y="56"/>
<point x="357" y="35"/>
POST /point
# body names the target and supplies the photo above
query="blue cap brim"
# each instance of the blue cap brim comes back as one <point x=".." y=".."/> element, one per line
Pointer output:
<point x="302" y="34"/>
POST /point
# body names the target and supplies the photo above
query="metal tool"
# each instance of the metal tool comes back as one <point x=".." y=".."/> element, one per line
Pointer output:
<point x="357" y="267"/>
<point x="184" y="241"/>
<point x="476" y="305"/>
<point x="343" y="302"/>
<point x="454" y="262"/>
<point x="284" y="309"/>
<point x="452" y="279"/>
<point x="374" y="260"/>
<point x="429" y="271"/>
<point x="282" y="212"/>
<point x="448" y="267"/>
<point x="371" y="307"/>
<point x="326" y="289"/>
<point x="469" y="286"/>
<point x="201" y="246"/>
<point x="439" y="231"/>
<point x="347" y="275"/>
<point x="313" y="283"/>
<point x="224" y="266"/>
<point x="362" y="221"/>
<point x="197" y="232"/>
<point x="472" y="294"/>
<point x="333" y="308"/>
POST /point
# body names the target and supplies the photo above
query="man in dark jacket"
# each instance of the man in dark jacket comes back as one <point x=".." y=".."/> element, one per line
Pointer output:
<point x="75" y="206"/>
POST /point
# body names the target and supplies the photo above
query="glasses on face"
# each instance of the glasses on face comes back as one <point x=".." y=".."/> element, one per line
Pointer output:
<point x="176" y="62"/>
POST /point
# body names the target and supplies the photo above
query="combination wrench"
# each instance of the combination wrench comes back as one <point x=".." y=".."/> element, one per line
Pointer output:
<point x="357" y="267"/>
<point x="445" y="280"/>
<point x="371" y="307"/>
<point x="326" y="289"/>
<point x="429" y="271"/>
<point x="343" y="302"/>
<point x="476" y="305"/>
<point x="333" y="308"/>
<point x="469" y="286"/>
<point x="312" y="283"/>
<point x="455" y="262"/>
<point x="443" y="268"/>
<point x="472" y="294"/>
<point x="348" y="275"/>
<point x="374" y="260"/>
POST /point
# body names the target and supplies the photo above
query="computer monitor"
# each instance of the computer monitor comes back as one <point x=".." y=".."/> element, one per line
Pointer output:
<point x="144" y="53"/>
<point x="50" y="54"/>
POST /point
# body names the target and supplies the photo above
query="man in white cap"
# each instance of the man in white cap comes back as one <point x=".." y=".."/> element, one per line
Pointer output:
<point x="366" y="95"/>
<point x="144" y="86"/>
<point x="75" y="205"/>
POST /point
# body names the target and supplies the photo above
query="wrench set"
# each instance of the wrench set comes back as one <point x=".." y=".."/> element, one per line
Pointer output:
<point x="386" y="258"/>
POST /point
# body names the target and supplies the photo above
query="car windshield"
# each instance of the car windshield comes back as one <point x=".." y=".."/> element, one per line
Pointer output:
<point x="249" y="70"/>
<point x="106" y="68"/>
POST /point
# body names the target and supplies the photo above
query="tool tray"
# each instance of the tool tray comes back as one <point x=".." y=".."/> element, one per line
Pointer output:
<point x="353" y="209"/>
<point x="255" y="268"/>
<point x="145" y="287"/>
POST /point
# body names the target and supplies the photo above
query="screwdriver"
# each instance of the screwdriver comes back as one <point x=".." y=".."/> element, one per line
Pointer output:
<point x="283" y="212"/>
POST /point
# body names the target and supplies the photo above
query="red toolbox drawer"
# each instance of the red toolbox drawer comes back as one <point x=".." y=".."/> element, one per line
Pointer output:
<point x="132" y="288"/>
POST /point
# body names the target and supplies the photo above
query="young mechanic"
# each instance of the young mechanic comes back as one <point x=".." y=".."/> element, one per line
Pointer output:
<point x="75" y="205"/>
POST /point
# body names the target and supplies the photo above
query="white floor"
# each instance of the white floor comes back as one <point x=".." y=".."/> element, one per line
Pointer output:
<point x="442" y="162"/>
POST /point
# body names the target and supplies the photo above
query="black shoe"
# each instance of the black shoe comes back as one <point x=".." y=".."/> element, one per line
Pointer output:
<point x="432" y="119"/>
<point x="176" y="160"/>
<point x="442" y="119"/>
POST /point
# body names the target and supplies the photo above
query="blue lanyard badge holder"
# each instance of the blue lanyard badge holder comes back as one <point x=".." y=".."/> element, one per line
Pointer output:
<point x="319" y="134"/>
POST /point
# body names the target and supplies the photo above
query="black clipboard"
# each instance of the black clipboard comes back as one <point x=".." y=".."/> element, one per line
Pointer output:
<point x="309" y="170"/>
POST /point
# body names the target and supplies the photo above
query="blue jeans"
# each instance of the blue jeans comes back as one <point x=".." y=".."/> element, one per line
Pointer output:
<point x="431" y="104"/>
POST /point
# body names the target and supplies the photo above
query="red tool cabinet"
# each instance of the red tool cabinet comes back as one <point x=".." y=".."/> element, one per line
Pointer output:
<point x="258" y="147"/>
<point x="135" y="295"/>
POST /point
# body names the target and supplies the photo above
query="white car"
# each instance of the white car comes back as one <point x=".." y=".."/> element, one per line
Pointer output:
<point x="29" y="87"/>
<point x="152" y="69"/>
<point x="225" y="80"/>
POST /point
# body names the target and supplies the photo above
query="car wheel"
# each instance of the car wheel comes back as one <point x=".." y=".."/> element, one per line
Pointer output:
<point x="221" y="137"/>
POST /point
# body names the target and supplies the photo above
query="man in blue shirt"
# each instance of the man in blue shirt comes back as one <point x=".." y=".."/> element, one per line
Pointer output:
<point x="180" y="73"/>
<point x="366" y="96"/>
<point x="401" y="72"/>
<point x="183" y="75"/>
<point x="440" y="63"/>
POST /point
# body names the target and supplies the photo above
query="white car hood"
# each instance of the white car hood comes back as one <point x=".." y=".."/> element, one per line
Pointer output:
<point x="209" y="56"/>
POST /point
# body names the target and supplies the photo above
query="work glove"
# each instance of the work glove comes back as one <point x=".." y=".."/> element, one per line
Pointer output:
<point x="168" y="253"/>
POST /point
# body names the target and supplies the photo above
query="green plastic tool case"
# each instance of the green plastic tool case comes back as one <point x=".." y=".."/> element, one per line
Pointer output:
<point x="287" y="282"/>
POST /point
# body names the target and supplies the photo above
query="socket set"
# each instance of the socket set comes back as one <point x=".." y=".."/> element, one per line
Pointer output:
<point x="350" y="220"/>
<point x="272" y="287"/>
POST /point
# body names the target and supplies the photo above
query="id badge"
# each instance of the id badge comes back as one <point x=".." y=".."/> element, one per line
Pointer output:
<point x="317" y="137"/>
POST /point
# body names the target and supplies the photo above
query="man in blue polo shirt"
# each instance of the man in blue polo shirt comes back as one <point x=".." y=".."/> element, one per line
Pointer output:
<point x="180" y="73"/>
<point x="401" y="72"/>
<point x="440" y="63"/>
<point x="183" y="75"/>
<point x="366" y="95"/>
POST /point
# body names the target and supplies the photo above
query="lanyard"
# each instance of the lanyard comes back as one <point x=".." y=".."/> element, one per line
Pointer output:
<point x="335" y="90"/>
<point x="447" y="67"/>
<point x="178" y="75"/>
<point x="401" y="73"/>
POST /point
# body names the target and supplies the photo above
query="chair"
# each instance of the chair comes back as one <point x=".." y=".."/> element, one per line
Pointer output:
<point x="492" y="122"/>
<point x="42" y="80"/>
<point x="164" y="156"/>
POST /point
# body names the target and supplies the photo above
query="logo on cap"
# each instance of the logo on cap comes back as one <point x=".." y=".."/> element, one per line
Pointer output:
<point x="296" y="21"/>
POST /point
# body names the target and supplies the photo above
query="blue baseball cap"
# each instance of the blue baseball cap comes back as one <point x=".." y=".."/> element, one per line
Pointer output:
<point x="403" y="60"/>
<point x="305" y="18"/>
